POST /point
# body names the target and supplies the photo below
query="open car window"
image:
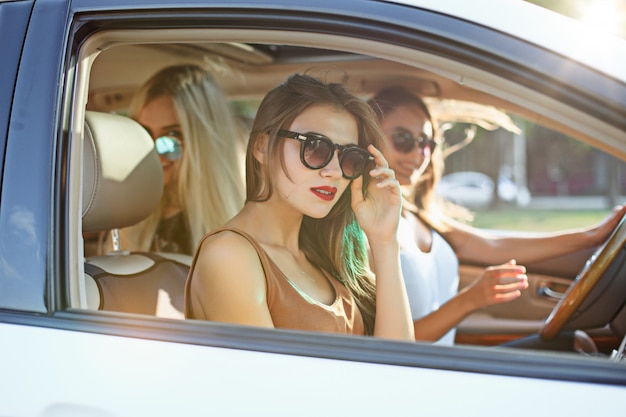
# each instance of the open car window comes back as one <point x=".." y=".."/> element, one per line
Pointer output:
<point x="117" y="52"/>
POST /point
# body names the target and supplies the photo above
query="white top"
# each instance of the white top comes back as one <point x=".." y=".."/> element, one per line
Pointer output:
<point x="431" y="278"/>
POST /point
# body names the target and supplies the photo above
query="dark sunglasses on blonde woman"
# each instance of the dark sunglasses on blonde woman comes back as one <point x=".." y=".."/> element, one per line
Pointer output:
<point x="405" y="142"/>
<point x="316" y="151"/>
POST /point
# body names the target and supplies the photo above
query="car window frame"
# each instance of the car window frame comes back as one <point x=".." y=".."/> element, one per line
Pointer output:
<point x="13" y="22"/>
<point x="29" y="158"/>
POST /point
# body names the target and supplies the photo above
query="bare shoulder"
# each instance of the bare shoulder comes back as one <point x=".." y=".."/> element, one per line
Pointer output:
<point x="227" y="254"/>
<point x="226" y="243"/>
<point x="228" y="282"/>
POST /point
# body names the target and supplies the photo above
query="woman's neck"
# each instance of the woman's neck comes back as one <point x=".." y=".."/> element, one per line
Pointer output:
<point x="270" y="224"/>
<point x="169" y="203"/>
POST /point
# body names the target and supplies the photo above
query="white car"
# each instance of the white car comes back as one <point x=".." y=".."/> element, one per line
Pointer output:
<point x="67" y="65"/>
<point x="467" y="188"/>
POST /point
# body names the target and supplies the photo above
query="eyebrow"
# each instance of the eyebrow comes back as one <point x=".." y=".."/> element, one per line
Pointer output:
<point x="402" y="129"/>
<point x="168" y="127"/>
<point x="321" y="134"/>
<point x="176" y="126"/>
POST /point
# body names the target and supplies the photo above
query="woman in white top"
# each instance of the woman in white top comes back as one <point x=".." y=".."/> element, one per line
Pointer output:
<point x="431" y="243"/>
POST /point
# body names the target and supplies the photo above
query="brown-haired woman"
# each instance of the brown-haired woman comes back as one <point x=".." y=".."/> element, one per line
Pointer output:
<point x="295" y="256"/>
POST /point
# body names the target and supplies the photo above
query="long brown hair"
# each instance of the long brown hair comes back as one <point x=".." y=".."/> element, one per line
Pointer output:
<point x="335" y="243"/>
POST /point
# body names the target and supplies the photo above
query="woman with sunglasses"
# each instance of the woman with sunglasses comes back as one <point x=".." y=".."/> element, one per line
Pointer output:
<point x="295" y="256"/>
<point x="201" y="146"/>
<point x="431" y="243"/>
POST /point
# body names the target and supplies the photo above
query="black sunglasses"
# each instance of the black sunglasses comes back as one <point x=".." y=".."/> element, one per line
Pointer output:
<point x="169" y="147"/>
<point x="316" y="151"/>
<point x="405" y="142"/>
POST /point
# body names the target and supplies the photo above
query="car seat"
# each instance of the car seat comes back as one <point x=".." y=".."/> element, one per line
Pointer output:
<point x="122" y="185"/>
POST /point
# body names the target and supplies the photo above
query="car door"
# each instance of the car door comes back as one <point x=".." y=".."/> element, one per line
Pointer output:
<point x="13" y="21"/>
<point x="59" y="358"/>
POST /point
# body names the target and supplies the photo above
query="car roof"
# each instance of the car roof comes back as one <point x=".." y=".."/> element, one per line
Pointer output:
<point x="588" y="45"/>
<point x="247" y="70"/>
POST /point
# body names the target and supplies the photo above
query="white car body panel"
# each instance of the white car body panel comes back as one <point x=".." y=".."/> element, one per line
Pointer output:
<point x="91" y="379"/>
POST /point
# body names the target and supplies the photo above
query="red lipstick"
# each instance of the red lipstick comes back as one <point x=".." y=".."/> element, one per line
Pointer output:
<point x="325" y="193"/>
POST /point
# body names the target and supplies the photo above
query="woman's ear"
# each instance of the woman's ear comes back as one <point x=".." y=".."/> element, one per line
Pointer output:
<point x="259" y="149"/>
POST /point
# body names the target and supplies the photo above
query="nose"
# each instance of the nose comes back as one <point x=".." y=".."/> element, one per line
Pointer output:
<point x="333" y="169"/>
<point x="418" y="152"/>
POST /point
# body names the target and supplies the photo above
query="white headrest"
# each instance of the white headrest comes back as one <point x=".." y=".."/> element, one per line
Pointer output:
<point x="122" y="174"/>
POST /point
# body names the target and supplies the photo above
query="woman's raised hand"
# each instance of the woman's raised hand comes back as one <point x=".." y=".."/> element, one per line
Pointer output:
<point x="498" y="284"/>
<point x="601" y="232"/>
<point x="378" y="212"/>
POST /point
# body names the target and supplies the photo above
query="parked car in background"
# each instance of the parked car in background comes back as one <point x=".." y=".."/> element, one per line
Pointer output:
<point x="467" y="188"/>
<point x="69" y="70"/>
<point x="475" y="190"/>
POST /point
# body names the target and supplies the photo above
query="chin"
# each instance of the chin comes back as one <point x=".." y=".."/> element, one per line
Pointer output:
<point x="403" y="180"/>
<point x="317" y="214"/>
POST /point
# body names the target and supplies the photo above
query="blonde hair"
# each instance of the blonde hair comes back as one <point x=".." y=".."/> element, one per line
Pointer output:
<point x="210" y="183"/>
<point x="335" y="243"/>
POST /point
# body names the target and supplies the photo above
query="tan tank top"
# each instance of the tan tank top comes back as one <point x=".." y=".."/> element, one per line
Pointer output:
<point x="290" y="307"/>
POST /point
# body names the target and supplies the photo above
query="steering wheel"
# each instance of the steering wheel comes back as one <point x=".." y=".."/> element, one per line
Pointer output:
<point x="593" y="272"/>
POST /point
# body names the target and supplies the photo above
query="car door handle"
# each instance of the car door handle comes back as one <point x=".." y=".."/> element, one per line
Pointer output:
<point x="546" y="291"/>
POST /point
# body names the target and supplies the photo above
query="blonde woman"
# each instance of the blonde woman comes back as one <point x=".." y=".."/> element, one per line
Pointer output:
<point x="201" y="146"/>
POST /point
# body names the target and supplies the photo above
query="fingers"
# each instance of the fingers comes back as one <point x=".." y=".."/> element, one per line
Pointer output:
<point x="499" y="284"/>
<point x="603" y="230"/>
<point x="509" y="268"/>
<point x="357" y="190"/>
<point x="507" y="280"/>
<point x="378" y="156"/>
<point x="618" y="213"/>
<point x="518" y="285"/>
<point x="506" y="297"/>
<point x="384" y="177"/>
<point x="382" y="174"/>
<point x="509" y="275"/>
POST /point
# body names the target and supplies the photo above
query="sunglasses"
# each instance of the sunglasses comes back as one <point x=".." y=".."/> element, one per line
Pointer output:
<point x="316" y="151"/>
<point x="169" y="147"/>
<point x="405" y="142"/>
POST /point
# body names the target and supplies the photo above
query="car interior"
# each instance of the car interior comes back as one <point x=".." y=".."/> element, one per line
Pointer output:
<point x="122" y="184"/>
<point x="121" y="175"/>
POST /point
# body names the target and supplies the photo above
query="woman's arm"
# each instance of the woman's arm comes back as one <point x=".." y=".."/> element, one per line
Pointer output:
<point x="228" y="282"/>
<point x="497" y="284"/>
<point x="475" y="245"/>
<point x="393" y="317"/>
<point x="378" y="213"/>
